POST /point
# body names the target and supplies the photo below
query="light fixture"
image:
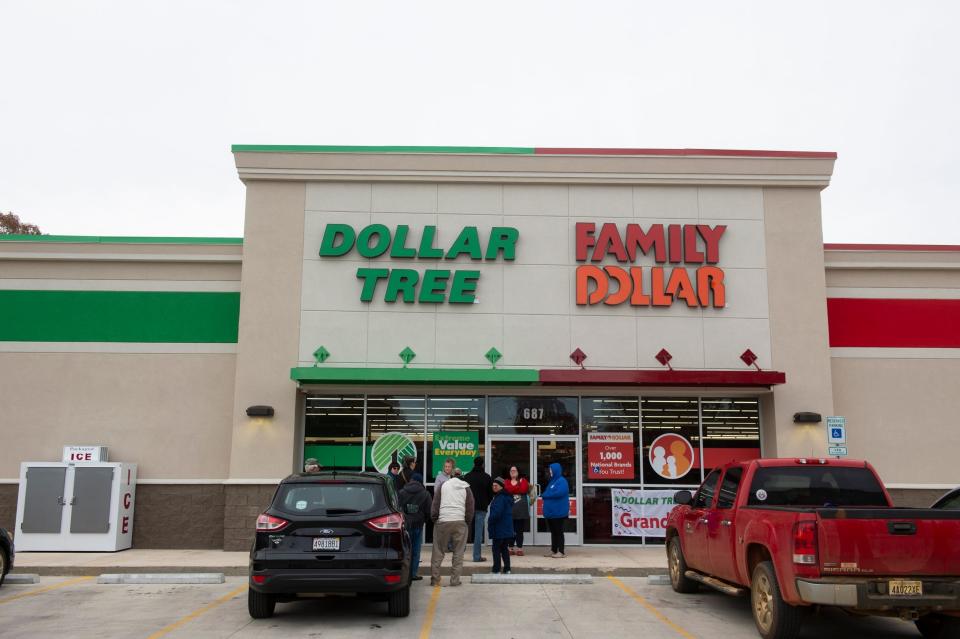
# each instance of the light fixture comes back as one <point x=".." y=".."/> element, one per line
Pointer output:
<point x="578" y="357"/>
<point x="664" y="358"/>
<point x="750" y="358"/>
<point x="807" y="418"/>
<point x="259" y="411"/>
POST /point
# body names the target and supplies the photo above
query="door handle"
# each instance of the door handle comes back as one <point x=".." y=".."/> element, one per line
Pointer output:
<point x="60" y="501"/>
<point x="726" y="522"/>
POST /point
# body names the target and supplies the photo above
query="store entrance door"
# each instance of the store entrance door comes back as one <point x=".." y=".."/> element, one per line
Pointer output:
<point x="533" y="456"/>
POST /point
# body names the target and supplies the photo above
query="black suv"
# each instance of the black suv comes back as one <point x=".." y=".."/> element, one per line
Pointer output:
<point x="330" y="532"/>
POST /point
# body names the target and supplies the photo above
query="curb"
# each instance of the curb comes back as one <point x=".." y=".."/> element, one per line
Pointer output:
<point x="162" y="578"/>
<point x="22" y="578"/>
<point x="242" y="571"/>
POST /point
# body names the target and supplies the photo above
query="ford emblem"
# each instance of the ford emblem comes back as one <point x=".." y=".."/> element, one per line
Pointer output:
<point x="326" y="531"/>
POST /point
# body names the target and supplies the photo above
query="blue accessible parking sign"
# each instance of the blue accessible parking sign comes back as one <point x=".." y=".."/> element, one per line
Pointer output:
<point x="836" y="430"/>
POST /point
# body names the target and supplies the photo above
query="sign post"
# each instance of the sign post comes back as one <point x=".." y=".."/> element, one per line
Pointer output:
<point x="837" y="436"/>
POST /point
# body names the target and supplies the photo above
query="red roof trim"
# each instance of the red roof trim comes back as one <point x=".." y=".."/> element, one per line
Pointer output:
<point x="891" y="247"/>
<point x="823" y="155"/>
<point x="662" y="377"/>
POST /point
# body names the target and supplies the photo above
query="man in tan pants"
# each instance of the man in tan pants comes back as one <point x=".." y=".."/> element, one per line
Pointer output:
<point x="451" y="511"/>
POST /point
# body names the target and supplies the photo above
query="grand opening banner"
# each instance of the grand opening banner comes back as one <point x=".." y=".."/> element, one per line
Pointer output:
<point x="640" y="513"/>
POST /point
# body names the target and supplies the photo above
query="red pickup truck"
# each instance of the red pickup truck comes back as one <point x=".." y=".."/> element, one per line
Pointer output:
<point x="800" y="533"/>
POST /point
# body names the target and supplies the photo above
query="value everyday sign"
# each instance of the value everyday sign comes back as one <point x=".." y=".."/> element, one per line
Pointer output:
<point x="461" y="446"/>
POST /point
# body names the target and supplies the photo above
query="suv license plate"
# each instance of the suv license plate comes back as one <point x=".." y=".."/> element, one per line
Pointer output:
<point x="905" y="588"/>
<point x="326" y="543"/>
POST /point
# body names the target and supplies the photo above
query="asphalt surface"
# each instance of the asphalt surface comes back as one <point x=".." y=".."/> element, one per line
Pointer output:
<point x="67" y="607"/>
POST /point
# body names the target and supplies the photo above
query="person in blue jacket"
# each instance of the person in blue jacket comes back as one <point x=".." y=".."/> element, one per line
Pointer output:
<point x="500" y="526"/>
<point x="556" y="509"/>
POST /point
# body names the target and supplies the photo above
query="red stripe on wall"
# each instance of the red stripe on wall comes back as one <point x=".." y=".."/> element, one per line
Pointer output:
<point x="894" y="323"/>
<point x="892" y="247"/>
<point x="826" y="155"/>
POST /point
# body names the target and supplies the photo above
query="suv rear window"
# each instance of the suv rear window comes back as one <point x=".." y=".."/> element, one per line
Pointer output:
<point x="329" y="499"/>
<point x="817" y="486"/>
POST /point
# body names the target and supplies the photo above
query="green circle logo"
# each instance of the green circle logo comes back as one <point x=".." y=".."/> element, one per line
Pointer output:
<point x="390" y="447"/>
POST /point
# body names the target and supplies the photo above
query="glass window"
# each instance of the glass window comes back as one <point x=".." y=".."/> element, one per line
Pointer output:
<point x="671" y="441"/>
<point x="534" y="416"/>
<point x="731" y="430"/>
<point x="704" y="496"/>
<point x="815" y="486"/>
<point x="399" y="422"/>
<point x="729" y="486"/>
<point x="611" y="439"/>
<point x="328" y="499"/>
<point x="598" y="518"/>
<point x="952" y="502"/>
<point x="459" y="421"/>
<point x="333" y="431"/>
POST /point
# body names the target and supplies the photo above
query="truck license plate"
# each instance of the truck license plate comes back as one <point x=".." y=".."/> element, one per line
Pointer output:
<point x="905" y="588"/>
<point x="326" y="543"/>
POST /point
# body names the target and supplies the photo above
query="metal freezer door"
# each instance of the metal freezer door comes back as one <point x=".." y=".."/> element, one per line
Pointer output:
<point x="92" y="488"/>
<point x="43" y="501"/>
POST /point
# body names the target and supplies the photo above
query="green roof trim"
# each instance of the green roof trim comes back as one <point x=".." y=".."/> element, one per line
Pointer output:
<point x="308" y="148"/>
<point x="326" y="375"/>
<point x="119" y="239"/>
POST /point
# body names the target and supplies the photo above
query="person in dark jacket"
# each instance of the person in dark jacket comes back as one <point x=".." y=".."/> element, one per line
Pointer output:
<point x="501" y="526"/>
<point x="393" y="472"/>
<point x="415" y="503"/>
<point x="480" y="485"/>
<point x="556" y="509"/>
<point x="409" y="468"/>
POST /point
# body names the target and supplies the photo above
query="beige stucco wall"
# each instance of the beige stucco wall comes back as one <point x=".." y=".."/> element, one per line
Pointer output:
<point x="269" y="330"/>
<point x="798" y="318"/>
<point x="168" y="413"/>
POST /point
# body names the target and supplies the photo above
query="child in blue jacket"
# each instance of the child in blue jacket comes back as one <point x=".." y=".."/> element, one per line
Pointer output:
<point x="500" y="526"/>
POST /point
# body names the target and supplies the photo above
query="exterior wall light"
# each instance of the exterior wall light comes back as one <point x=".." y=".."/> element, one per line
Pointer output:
<point x="807" y="418"/>
<point x="260" y="411"/>
<point x="664" y="358"/>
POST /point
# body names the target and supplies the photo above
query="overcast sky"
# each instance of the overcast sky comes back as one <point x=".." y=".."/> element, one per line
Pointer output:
<point x="116" y="118"/>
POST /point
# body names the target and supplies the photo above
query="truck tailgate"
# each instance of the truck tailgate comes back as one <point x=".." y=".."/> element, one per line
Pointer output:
<point x="889" y="541"/>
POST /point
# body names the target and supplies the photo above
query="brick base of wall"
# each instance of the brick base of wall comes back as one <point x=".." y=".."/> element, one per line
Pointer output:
<point x="8" y="505"/>
<point x="243" y="504"/>
<point x="178" y="516"/>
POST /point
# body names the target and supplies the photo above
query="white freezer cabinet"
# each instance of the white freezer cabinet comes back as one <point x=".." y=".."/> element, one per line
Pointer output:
<point x="71" y="507"/>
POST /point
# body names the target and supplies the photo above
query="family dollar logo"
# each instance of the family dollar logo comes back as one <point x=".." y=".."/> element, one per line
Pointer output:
<point x="693" y="245"/>
<point x="392" y="447"/>
<point x="671" y="456"/>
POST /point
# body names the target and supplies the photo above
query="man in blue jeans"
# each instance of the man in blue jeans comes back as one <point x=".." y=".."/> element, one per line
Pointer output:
<point x="481" y="486"/>
<point x="415" y="503"/>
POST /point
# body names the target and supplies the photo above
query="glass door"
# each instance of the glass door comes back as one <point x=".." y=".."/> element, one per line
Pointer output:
<point x="566" y="452"/>
<point x="532" y="456"/>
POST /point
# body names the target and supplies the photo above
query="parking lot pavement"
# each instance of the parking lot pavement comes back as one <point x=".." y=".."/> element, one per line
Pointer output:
<point x="70" y="607"/>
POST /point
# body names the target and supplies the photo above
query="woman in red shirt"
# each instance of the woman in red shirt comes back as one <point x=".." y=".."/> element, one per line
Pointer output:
<point x="517" y="487"/>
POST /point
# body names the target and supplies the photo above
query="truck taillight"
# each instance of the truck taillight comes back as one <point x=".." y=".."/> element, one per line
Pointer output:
<point x="388" y="523"/>
<point x="805" y="543"/>
<point x="269" y="523"/>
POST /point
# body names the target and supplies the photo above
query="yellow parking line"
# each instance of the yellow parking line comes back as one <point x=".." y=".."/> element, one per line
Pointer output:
<point x="650" y="608"/>
<point x="196" y="613"/>
<point x="39" y="591"/>
<point x="431" y="611"/>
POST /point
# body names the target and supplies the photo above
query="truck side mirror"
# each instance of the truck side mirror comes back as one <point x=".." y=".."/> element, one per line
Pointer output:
<point x="682" y="497"/>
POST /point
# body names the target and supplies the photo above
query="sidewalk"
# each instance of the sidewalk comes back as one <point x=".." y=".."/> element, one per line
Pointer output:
<point x="622" y="562"/>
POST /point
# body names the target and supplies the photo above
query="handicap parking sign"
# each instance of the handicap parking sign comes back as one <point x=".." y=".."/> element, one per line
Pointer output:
<point x="836" y="430"/>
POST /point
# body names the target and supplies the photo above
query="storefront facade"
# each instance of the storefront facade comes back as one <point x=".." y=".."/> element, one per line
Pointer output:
<point x="637" y="316"/>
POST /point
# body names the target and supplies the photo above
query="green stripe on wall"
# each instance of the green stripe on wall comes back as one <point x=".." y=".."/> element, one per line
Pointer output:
<point x="307" y="148"/>
<point x="327" y="375"/>
<point x="119" y="316"/>
<point x="119" y="239"/>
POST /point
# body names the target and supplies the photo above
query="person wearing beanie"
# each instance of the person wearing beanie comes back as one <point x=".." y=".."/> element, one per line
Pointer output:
<point x="415" y="504"/>
<point x="480" y="483"/>
<point x="500" y="521"/>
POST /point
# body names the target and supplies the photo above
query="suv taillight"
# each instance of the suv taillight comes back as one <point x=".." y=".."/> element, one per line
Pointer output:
<point x="805" y="543"/>
<point x="269" y="523"/>
<point x="388" y="523"/>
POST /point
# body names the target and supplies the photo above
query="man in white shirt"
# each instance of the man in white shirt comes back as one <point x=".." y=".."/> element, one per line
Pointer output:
<point x="451" y="511"/>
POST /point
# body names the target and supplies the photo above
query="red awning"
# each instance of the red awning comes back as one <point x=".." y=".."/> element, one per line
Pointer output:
<point x="662" y="377"/>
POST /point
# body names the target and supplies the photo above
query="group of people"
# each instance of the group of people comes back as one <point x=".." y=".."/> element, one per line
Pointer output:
<point x="479" y="503"/>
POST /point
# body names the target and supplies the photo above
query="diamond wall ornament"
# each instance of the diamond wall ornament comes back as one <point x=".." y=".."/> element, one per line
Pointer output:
<point x="750" y="358"/>
<point x="578" y="356"/>
<point x="493" y="356"/>
<point x="664" y="358"/>
<point x="321" y="355"/>
<point x="407" y="356"/>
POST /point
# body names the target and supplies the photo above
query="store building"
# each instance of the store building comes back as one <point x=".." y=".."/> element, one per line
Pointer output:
<point x="636" y="315"/>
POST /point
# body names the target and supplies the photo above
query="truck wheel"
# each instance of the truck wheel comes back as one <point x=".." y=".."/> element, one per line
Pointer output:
<point x="260" y="605"/>
<point x="938" y="626"/>
<point x="398" y="603"/>
<point x="678" y="569"/>
<point x="775" y="618"/>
